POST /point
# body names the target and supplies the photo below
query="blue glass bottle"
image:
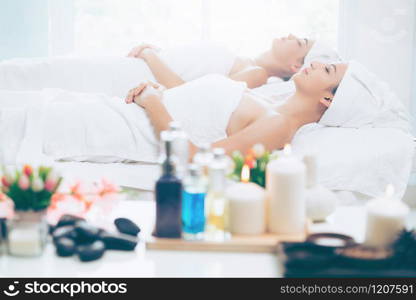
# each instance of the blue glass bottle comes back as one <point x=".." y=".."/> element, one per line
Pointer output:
<point x="193" y="204"/>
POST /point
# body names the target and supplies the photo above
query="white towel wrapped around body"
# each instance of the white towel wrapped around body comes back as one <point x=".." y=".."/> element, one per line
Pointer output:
<point x="58" y="124"/>
<point x="113" y="76"/>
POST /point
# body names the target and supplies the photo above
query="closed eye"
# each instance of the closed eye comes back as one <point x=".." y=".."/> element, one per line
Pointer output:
<point x="327" y="69"/>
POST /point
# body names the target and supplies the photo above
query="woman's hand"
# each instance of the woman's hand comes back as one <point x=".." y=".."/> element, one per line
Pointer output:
<point x="145" y="93"/>
<point x="139" y="51"/>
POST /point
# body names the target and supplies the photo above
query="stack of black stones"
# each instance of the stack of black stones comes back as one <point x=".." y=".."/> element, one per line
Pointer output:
<point x="75" y="236"/>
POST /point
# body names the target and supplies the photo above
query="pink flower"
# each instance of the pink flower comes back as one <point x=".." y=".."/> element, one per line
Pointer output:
<point x="9" y="177"/>
<point x="4" y="181"/>
<point x="50" y="185"/>
<point x="3" y="197"/>
<point x="24" y="182"/>
<point x="107" y="187"/>
<point x="51" y="181"/>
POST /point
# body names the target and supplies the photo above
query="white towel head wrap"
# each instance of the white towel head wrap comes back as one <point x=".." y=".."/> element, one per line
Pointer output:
<point x="321" y="52"/>
<point x="363" y="100"/>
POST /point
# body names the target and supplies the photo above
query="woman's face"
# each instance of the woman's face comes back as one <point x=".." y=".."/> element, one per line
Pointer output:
<point x="290" y="52"/>
<point x="318" y="80"/>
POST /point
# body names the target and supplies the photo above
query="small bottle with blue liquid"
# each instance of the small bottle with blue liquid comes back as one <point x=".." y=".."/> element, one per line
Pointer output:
<point x="193" y="204"/>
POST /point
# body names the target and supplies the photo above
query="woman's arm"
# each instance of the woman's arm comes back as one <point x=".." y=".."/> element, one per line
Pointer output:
<point x="273" y="131"/>
<point x="253" y="76"/>
<point x="149" y="95"/>
<point x="162" y="72"/>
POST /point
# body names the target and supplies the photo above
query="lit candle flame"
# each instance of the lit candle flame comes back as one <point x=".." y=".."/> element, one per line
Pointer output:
<point x="287" y="150"/>
<point x="245" y="174"/>
<point x="389" y="191"/>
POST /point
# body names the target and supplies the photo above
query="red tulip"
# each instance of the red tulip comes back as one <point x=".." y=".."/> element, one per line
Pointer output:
<point x="28" y="170"/>
<point x="250" y="161"/>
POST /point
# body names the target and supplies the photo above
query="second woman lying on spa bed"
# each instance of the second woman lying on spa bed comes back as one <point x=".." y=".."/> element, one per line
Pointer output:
<point x="250" y="120"/>
<point x="283" y="59"/>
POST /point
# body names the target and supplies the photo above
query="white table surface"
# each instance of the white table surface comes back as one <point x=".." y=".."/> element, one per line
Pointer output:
<point x="152" y="263"/>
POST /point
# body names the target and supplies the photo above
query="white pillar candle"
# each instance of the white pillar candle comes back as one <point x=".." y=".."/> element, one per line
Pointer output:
<point x="285" y="184"/>
<point x="247" y="208"/>
<point x="311" y="170"/>
<point x="386" y="217"/>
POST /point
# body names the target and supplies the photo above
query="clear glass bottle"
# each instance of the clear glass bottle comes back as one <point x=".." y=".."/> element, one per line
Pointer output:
<point x="180" y="148"/>
<point x="193" y="204"/>
<point x="217" y="205"/>
<point x="203" y="158"/>
<point x="168" y="193"/>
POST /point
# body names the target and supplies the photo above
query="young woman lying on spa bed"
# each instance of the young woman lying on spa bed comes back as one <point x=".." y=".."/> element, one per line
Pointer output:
<point x="284" y="58"/>
<point x="252" y="121"/>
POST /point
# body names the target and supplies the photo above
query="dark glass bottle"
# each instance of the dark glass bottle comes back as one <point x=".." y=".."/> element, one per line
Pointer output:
<point x="168" y="196"/>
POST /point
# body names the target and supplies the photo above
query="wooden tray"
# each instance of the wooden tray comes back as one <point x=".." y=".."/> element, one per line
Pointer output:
<point x="266" y="243"/>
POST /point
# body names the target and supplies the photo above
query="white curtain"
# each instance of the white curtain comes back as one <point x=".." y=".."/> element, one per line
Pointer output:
<point x="381" y="34"/>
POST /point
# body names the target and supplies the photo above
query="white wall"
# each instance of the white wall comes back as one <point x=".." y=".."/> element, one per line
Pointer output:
<point x="381" y="35"/>
<point x="61" y="27"/>
<point x="23" y="28"/>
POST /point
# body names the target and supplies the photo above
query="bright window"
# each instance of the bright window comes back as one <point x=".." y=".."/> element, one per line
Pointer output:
<point x="110" y="27"/>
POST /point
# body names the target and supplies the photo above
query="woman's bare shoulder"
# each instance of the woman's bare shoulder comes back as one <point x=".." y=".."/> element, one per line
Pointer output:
<point x="241" y="64"/>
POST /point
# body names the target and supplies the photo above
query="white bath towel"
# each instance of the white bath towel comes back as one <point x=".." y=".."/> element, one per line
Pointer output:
<point x="364" y="100"/>
<point x="110" y="75"/>
<point x="85" y="127"/>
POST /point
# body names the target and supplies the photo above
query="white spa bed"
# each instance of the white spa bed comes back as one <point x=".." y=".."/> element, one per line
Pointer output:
<point x="140" y="176"/>
<point x="143" y="177"/>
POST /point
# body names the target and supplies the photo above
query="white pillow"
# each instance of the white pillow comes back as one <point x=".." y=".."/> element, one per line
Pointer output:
<point x="360" y="160"/>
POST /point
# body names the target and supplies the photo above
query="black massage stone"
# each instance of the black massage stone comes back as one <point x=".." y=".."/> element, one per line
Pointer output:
<point x="67" y="220"/>
<point x="51" y="228"/>
<point x="86" y="233"/>
<point x="65" y="247"/>
<point x="90" y="252"/>
<point x="123" y="242"/>
<point x="127" y="226"/>
<point x="64" y="231"/>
